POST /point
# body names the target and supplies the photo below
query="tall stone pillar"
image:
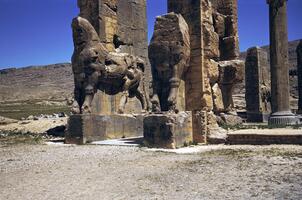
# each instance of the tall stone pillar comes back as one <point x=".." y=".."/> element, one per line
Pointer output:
<point x="281" y="113"/>
<point x="191" y="10"/>
<point x="257" y="85"/>
<point x="299" y="66"/>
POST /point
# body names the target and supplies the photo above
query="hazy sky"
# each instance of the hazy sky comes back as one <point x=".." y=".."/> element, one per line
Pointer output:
<point x="38" y="32"/>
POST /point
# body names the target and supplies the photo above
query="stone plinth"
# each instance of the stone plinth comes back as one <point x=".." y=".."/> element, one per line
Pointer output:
<point x="168" y="130"/>
<point x="84" y="129"/>
<point x="265" y="137"/>
<point x="257" y="86"/>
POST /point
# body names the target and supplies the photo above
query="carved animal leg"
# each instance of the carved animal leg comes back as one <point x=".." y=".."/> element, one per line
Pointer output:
<point x="123" y="103"/>
<point x="75" y="109"/>
<point x="90" y="90"/>
<point x="141" y="97"/>
<point x="172" y="99"/>
<point x="89" y="94"/>
<point x="154" y="99"/>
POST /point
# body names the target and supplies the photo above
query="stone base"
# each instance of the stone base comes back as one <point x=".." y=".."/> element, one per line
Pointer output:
<point x="283" y="118"/>
<point x="265" y="137"/>
<point x="82" y="129"/>
<point x="168" y="130"/>
<point x="257" y="117"/>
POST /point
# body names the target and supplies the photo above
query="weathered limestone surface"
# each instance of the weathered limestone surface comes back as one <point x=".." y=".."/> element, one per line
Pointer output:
<point x="226" y="24"/>
<point x="214" y="38"/>
<point x="257" y="85"/>
<point x="120" y="23"/>
<point x="117" y="24"/>
<point x="110" y="55"/>
<point x="84" y="129"/>
<point x="192" y="11"/>
<point x="281" y="113"/>
<point x="169" y="54"/>
<point x="299" y="66"/>
<point x="231" y="73"/>
<point x="194" y="80"/>
<point x="220" y="37"/>
<point x="95" y="69"/>
<point x="168" y="130"/>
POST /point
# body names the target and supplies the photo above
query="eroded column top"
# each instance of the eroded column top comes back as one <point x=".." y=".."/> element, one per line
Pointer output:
<point x="277" y="3"/>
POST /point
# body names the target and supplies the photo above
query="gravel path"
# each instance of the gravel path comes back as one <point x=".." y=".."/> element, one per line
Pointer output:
<point x="108" y="172"/>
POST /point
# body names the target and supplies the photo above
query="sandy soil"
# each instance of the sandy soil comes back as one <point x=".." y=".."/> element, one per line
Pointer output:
<point x="108" y="172"/>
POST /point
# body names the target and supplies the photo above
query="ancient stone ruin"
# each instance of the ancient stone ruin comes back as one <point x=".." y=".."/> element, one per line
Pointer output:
<point x="257" y="84"/>
<point x="299" y="66"/>
<point x="117" y="25"/>
<point x="281" y="113"/>
<point x="169" y="55"/>
<point x="174" y="91"/>
<point x="109" y="65"/>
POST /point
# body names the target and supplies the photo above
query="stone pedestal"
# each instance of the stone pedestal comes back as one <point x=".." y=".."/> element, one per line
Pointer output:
<point x="167" y="130"/>
<point x="82" y="129"/>
<point x="281" y="114"/>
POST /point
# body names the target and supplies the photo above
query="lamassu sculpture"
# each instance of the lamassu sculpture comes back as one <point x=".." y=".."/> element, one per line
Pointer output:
<point x="169" y="54"/>
<point x="95" y="68"/>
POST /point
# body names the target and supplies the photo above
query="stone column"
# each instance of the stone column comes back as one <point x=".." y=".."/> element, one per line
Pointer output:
<point x="257" y="85"/>
<point x="281" y="113"/>
<point x="299" y="67"/>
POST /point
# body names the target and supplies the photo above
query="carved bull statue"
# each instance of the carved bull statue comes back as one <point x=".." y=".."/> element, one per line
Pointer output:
<point x="95" y="68"/>
<point x="169" y="54"/>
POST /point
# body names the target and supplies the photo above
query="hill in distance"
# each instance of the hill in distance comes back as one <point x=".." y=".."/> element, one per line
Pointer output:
<point x="54" y="83"/>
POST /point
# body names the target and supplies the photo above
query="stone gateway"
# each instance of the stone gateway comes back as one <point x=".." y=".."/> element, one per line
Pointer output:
<point x="191" y="67"/>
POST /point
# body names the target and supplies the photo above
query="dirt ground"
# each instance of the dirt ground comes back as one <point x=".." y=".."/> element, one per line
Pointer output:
<point x="111" y="172"/>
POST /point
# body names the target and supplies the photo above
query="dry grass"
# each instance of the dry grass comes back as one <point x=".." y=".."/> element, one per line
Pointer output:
<point x="19" y="109"/>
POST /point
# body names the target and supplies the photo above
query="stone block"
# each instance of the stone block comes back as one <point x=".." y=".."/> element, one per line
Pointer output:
<point x="207" y="98"/>
<point x="230" y="48"/>
<point x="231" y="72"/>
<point x="230" y="119"/>
<point x="200" y="126"/>
<point x="219" y="24"/>
<point x="211" y="42"/>
<point x="82" y="129"/>
<point x="217" y="99"/>
<point x="212" y="70"/>
<point x="168" y="130"/>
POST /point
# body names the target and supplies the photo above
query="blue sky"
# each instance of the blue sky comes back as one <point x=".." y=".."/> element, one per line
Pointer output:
<point x="38" y="32"/>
